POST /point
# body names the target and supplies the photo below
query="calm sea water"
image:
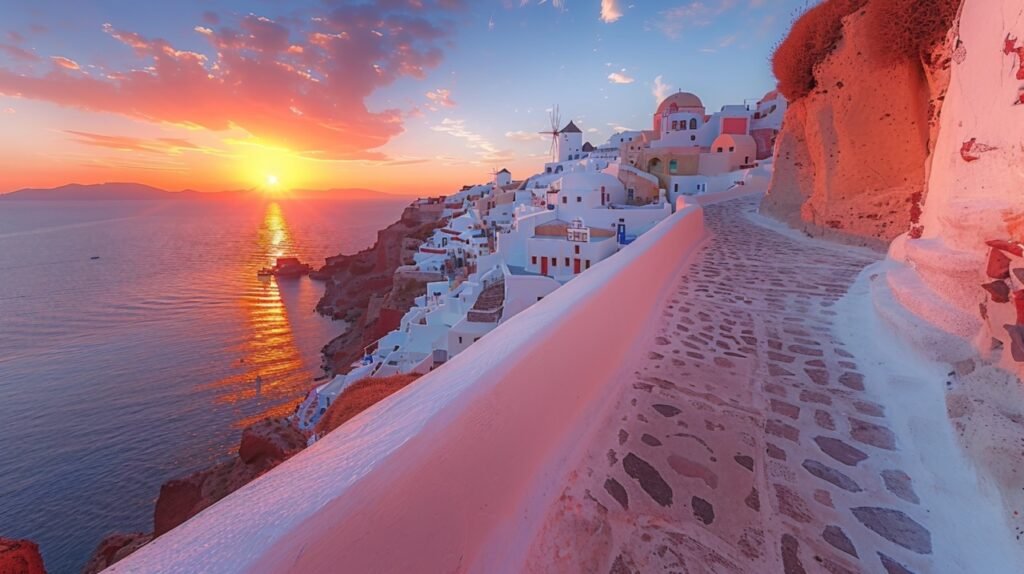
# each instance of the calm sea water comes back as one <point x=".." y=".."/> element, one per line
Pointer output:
<point x="120" y="373"/>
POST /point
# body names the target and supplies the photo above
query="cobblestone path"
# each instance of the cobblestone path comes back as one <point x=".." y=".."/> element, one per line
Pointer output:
<point x="745" y="441"/>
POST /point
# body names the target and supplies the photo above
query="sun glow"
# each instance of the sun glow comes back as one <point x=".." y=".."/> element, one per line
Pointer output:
<point x="272" y="180"/>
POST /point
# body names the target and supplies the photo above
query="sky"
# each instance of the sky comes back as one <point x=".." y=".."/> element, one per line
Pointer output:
<point x="403" y="96"/>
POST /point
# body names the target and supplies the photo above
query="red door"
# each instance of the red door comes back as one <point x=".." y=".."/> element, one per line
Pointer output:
<point x="543" y="265"/>
<point x="575" y="265"/>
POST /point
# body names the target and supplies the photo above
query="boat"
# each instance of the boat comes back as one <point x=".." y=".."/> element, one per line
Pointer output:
<point x="285" y="267"/>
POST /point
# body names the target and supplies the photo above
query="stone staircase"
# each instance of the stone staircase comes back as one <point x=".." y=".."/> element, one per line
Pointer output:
<point x="489" y="304"/>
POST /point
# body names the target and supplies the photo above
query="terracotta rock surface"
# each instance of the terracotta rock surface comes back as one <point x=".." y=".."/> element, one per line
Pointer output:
<point x="270" y="439"/>
<point x="363" y="290"/>
<point x="113" y="548"/>
<point x="359" y="397"/>
<point x="20" y="557"/>
<point x="850" y="159"/>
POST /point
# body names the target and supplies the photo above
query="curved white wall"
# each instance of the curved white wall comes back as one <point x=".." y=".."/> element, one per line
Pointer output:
<point x="455" y="472"/>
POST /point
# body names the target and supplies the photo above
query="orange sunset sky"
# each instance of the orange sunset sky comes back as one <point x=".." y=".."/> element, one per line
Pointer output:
<point x="402" y="96"/>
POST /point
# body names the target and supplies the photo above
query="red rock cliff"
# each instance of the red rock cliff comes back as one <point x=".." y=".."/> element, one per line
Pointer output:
<point x="362" y="288"/>
<point x="20" y="557"/>
<point x="851" y="158"/>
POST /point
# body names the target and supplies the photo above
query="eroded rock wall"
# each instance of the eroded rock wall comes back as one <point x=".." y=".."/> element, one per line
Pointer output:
<point x="851" y="159"/>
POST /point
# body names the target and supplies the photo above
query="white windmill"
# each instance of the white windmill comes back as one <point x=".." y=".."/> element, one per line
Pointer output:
<point x="556" y="121"/>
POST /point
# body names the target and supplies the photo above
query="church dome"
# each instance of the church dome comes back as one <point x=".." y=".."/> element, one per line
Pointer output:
<point x="684" y="101"/>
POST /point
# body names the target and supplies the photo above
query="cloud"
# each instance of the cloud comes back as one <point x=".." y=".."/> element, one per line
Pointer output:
<point x="19" y="54"/>
<point x="310" y="99"/>
<point x="440" y="98"/>
<point x="661" y="90"/>
<point x="694" y="14"/>
<point x="610" y="11"/>
<point x="9" y="110"/>
<point x="484" y="148"/>
<point x="620" y="77"/>
<point x="125" y="143"/>
<point x="619" y="128"/>
<point x="525" y="136"/>
<point x="65" y="63"/>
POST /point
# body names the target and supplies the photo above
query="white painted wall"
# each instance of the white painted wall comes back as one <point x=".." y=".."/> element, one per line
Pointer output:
<point x="455" y="472"/>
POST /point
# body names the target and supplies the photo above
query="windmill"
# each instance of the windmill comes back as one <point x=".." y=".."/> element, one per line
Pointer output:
<point x="556" y="120"/>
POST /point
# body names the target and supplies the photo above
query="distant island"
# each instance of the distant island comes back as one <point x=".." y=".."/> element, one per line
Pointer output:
<point x="138" y="191"/>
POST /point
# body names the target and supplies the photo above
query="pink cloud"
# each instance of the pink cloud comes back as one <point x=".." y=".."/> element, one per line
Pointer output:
<point x="66" y="63"/>
<point x="610" y="11"/>
<point x="19" y="54"/>
<point x="298" y="83"/>
<point x="124" y="143"/>
<point x="440" y="98"/>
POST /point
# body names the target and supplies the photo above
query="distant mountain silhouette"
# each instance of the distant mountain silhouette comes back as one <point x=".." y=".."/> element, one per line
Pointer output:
<point x="97" y="191"/>
<point x="136" y="191"/>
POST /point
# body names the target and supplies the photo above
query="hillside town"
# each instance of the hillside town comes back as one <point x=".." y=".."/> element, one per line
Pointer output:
<point x="506" y="244"/>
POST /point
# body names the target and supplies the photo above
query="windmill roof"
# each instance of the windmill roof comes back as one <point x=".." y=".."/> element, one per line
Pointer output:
<point x="571" y="128"/>
<point x="504" y="170"/>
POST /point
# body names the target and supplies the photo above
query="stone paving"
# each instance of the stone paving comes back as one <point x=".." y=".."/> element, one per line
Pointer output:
<point x="744" y="441"/>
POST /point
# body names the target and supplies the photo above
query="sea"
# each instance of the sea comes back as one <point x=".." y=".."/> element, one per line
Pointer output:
<point x="136" y="342"/>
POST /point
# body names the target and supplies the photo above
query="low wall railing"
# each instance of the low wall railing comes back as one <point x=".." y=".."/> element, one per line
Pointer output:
<point x="456" y="472"/>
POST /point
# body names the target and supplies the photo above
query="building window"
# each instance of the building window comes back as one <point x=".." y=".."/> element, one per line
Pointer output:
<point x="673" y="166"/>
<point x="693" y="138"/>
<point x="675" y="189"/>
<point x="534" y="259"/>
<point x="554" y="262"/>
<point x="577" y="250"/>
<point x="675" y="125"/>
<point x="588" y="264"/>
<point x="566" y="261"/>
<point x="732" y="148"/>
<point x="460" y="340"/>
<point x="693" y="123"/>
<point x="720" y="150"/>
<point x="566" y="199"/>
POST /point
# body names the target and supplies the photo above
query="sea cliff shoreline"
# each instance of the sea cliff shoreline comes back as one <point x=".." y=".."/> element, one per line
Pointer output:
<point x="367" y="291"/>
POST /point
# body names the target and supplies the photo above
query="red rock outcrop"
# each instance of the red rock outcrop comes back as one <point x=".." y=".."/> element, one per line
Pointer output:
<point x="20" y="557"/>
<point x="270" y="439"/>
<point x="359" y="397"/>
<point x="264" y="445"/>
<point x="113" y="548"/>
<point x="362" y="288"/>
<point x="851" y="160"/>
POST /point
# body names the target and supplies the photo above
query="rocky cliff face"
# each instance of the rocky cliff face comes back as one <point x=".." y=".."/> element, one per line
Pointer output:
<point x="851" y="158"/>
<point x="363" y="290"/>
<point x="20" y="557"/>
<point x="264" y="445"/>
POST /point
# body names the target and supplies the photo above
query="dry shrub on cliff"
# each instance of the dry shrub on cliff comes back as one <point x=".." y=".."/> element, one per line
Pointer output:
<point x="909" y="28"/>
<point x="812" y="37"/>
<point x="359" y="397"/>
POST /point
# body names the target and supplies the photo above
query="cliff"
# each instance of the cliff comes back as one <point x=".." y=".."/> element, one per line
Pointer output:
<point x="359" y="397"/>
<point x="20" y="557"/>
<point x="851" y="158"/>
<point x="363" y="290"/>
<point x="263" y="446"/>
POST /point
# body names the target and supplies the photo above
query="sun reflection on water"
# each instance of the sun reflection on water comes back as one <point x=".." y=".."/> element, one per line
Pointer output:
<point x="269" y="370"/>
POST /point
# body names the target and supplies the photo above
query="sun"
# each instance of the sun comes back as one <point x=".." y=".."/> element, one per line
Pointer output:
<point x="272" y="180"/>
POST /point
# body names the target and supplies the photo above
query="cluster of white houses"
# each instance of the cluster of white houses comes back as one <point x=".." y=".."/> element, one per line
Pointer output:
<point x="507" y="244"/>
